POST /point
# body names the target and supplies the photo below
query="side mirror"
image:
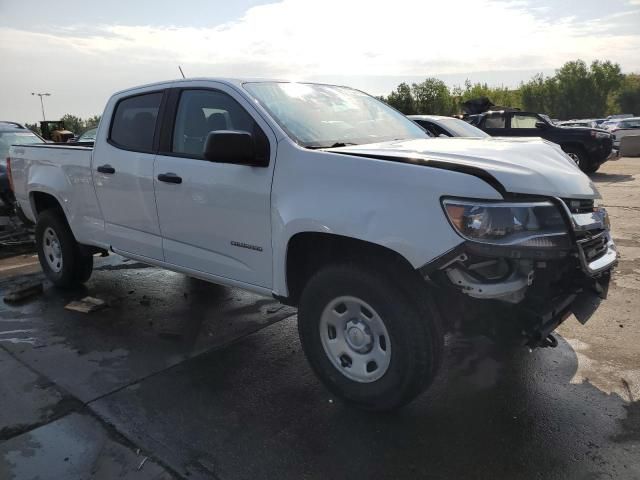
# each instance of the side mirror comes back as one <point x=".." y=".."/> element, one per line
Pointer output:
<point x="230" y="146"/>
<point x="541" y="125"/>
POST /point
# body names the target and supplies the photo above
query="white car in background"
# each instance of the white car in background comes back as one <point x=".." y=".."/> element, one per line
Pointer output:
<point x="439" y="125"/>
<point x="622" y="128"/>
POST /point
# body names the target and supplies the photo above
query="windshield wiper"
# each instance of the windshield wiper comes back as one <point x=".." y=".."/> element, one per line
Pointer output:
<point x="335" y="145"/>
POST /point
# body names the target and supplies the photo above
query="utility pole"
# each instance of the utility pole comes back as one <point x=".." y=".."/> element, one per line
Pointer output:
<point x="42" y="101"/>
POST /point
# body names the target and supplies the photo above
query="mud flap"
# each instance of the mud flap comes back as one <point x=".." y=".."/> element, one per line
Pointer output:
<point x="588" y="301"/>
<point x="585" y="305"/>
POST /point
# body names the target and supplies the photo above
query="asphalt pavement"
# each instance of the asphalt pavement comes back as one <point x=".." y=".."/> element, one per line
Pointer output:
<point x="178" y="378"/>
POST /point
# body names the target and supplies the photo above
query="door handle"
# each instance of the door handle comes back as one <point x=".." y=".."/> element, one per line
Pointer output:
<point x="169" y="178"/>
<point x="106" y="169"/>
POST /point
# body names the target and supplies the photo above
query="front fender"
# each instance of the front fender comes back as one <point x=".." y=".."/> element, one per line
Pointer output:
<point x="390" y="204"/>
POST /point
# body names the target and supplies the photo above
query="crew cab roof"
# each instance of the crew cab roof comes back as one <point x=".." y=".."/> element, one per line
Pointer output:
<point x="231" y="81"/>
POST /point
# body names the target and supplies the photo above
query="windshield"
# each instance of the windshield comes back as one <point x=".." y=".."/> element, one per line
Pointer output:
<point x="88" y="136"/>
<point x="16" y="138"/>
<point x="547" y="118"/>
<point x="460" y="128"/>
<point x="318" y="116"/>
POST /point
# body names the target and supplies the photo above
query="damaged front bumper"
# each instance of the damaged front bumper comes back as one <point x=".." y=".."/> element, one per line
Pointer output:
<point x="527" y="293"/>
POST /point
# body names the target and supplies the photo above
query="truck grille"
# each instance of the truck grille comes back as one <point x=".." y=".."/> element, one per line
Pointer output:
<point x="594" y="246"/>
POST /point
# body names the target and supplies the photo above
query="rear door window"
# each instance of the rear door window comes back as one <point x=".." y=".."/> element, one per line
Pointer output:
<point x="134" y="122"/>
<point x="523" y="121"/>
<point x="494" y="121"/>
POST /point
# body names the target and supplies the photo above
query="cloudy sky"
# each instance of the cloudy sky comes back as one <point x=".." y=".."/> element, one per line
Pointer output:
<point x="81" y="51"/>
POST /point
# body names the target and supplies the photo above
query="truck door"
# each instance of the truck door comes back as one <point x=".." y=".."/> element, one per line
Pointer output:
<point x="215" y="218"/>
<point x="122" y="168"/>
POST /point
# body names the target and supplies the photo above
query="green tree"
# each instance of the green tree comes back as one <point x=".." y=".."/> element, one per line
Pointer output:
<point x="576" y="90"/>
<point x="533" y="94"/>
<point x="627" y="98"/>
<point x="34" y="127"/>
<point x="432" y="97"/>
<point x="92" y="122"/>
<point x="608" y="79"/>
<point x="402" y="99"/>
<point x="581" y="91"/>
<point x="73" y="123"/>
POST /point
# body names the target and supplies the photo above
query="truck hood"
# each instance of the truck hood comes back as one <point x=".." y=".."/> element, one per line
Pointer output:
<point x="520" y="165"/>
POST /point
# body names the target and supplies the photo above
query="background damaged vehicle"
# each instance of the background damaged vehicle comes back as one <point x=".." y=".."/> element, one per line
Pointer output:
<point x="328" y="199"/>
<point x="588" y="147"/>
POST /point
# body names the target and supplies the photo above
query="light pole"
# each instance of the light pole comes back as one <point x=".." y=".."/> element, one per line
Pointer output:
<point x="42" y="101"/>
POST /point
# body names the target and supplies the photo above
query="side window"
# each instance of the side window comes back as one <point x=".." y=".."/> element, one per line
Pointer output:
<point x="427" y="126"/>
<point x="203" y="111"/>
<point x="523" y="121"/>
<point x="494" y="121"/>
<point x="436" y="130"/>
<point x="134" y="122"/>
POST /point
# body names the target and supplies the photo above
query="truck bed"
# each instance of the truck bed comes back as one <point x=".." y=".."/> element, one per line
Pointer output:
<point x="62" y="171"/>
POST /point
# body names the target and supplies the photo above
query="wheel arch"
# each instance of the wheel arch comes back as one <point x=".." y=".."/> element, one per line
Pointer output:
<point x="41" y="201"/>
<point x="309" y="251"/>
<point x="574" y="145"/>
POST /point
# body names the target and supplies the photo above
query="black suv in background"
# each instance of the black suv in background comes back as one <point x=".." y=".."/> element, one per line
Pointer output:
<point x="588" y="147"/>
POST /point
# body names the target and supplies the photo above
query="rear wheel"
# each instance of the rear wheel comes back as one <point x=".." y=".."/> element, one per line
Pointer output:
<point x="62" y="259"/>
<point x="366" y="339"/>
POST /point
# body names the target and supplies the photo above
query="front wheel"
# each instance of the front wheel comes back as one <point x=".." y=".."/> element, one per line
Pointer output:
<point x="61" y="258"/>
<point x="366" y="339"/>
<point x="580" y="157"/>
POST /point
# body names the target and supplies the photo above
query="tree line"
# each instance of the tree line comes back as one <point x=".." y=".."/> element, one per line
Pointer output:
<point x="576" y="90"/>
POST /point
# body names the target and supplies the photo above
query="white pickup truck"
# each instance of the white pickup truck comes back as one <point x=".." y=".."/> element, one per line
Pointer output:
<point x="328" y="199"/>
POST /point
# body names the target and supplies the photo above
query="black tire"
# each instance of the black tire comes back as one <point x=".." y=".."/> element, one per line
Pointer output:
<point x="84" y="268"/>
<point x="416" y="338"/>
<point x="581" y="158"/>
<point x="76" y="265"/>
<point x="591" y="168"/>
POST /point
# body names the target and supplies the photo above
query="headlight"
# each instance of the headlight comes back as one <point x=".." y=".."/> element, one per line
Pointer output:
<point x="535" y="224"/>
<point x="600" y="135"/>
<point x="601" y="213"/>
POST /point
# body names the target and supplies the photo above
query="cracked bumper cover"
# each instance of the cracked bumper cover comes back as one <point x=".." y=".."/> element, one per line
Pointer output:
<point x="582" y="274"/>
